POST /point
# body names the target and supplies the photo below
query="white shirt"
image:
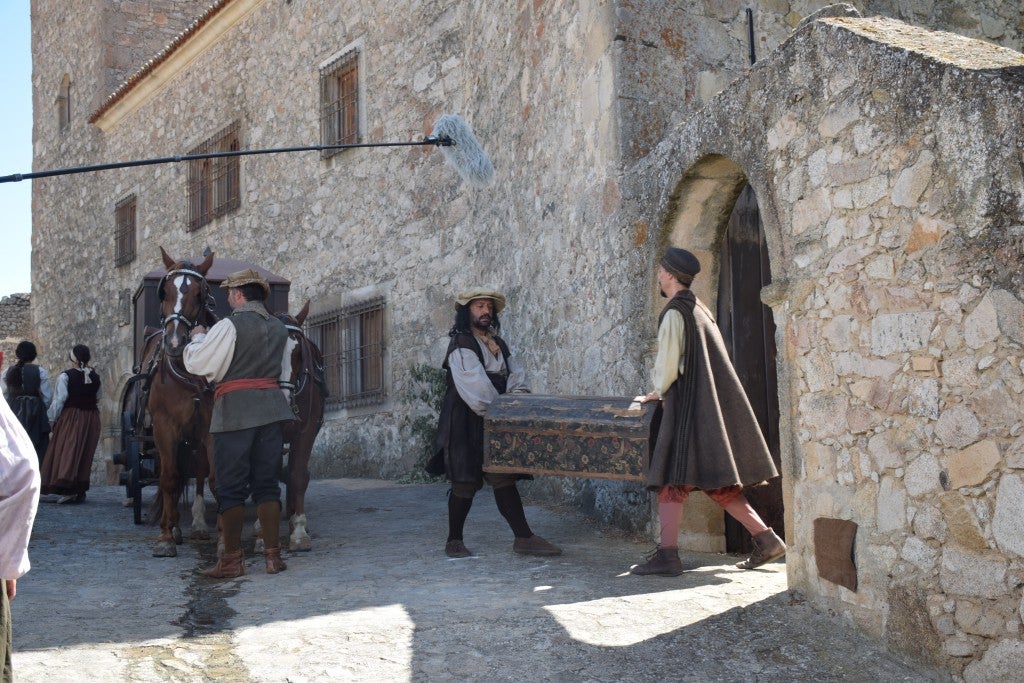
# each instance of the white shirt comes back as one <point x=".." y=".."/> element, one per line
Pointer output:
<point x="19" y="494"/>
<point x="472" y="382"/>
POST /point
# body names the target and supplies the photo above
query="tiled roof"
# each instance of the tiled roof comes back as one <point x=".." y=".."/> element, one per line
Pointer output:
<point x="158" y="59"/>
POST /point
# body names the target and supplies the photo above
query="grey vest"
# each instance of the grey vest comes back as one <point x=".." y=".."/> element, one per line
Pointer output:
<point x="259" y="346"/>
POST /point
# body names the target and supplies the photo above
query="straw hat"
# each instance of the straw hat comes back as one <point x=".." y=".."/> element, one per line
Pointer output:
<point x="481" y="293"/>
<point x="246" y="277"/>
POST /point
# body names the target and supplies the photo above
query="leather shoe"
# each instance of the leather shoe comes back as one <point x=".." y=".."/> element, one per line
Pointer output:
<point x="456" y="549"/>
<point x="229" y="566"/>
<point x="535" y="545"/>
<point x="662" y="562"/>
<point x="275" y="564"/>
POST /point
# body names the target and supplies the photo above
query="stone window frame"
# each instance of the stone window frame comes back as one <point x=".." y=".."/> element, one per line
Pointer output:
<point x="353" y="340"/>
<point x="125" y="225"/>
<point x="63" y="103"/>
<point x="214" y="185"/>
<point x="341" y="98"/>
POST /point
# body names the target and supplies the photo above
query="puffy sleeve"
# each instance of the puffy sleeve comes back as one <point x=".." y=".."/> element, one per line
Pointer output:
<point x="471" y="380"/>
<point x="44" y="386"/>
<point x="60" y="394"/>
<point x="210" y="354"/>
<point x="668" y="364"/>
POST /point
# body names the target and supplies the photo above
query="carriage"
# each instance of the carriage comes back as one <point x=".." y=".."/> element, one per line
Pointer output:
<point x="138" y="455"/>
<point x="165" y="411"/>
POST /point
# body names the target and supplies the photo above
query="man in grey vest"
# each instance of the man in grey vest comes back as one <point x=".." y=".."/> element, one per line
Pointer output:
<point x="244" y="356"/>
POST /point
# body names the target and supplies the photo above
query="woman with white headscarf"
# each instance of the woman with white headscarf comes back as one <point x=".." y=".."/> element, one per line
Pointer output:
<point x="75" y="416"/>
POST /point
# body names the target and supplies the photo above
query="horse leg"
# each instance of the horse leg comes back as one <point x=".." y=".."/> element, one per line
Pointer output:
<point x="165" y="545"/>
<point x="298" y="481"/>
<point x="200" y="530"/>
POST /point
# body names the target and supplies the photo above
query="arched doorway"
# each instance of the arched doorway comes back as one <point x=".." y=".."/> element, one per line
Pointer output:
<point x="749" y="332"/>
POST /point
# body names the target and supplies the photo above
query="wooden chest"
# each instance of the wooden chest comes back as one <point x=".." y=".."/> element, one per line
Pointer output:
<point x="570" y="436"/>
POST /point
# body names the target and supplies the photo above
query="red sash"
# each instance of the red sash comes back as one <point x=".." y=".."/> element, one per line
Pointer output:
<point x="245" y="383"/>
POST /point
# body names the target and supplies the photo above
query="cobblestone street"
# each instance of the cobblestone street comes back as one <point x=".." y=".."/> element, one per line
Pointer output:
<point x="377" y="600"/>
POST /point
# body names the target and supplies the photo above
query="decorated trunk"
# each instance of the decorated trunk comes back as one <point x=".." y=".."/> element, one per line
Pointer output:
<point x="572" y="436"/>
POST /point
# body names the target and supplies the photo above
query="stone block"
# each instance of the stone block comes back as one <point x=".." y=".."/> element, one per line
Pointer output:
<point x="981" y="326"/>
<point x="929" y="524"/>
<point x="1008" y="521"/>
<point x="894" y="332"/>
<point x="891" y="510"/>
<point x="963" y="528"/>
<point x="957" y="427"/>
<point x="1009" y="314"/>
<point x="1003" y="661"/>
<point x="972" y="574"/>
<point x="911" y="182"/>
<point x="979" y="619"/>
<point x="973" y="465"/>
<point x="922" y="476"/>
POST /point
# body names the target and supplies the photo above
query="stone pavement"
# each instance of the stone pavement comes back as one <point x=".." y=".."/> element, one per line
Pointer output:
<point x="377" y="600"/>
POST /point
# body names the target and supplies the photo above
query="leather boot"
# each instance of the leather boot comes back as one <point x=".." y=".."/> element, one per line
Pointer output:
<point x="269" y="514"/>
<point x="229" y="566"/>
<point x="230" y="563"/>
<point x="767" y="547"/>
<point x="660" y="561"/>
<point x="275" y="564"/>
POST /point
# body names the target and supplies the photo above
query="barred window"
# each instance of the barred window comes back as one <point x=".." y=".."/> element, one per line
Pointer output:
<point x="124" y="231"/>
<point x="213" y="184"/>
<point x="64" y="103"/>
<point x="339" y="102"/>
<point x="352" y="342"/>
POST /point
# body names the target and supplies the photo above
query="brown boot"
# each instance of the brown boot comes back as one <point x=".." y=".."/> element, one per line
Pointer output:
<point x="229" y="566"/>
<point x="661" y="561"/>
<point x="767" y="547"/>
<point x="275" y="564"/>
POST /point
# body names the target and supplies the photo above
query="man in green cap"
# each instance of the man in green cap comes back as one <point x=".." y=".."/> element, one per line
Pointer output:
<point x="244" y="356"/>
<point x="706" y="436"/>
<point x="478" y="368"/>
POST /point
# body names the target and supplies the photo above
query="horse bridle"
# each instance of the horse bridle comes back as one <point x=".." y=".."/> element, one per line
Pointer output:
<point x="204" y="293"/>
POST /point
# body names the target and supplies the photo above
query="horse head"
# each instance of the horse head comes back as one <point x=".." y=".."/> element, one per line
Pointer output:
<point x="293" y="323"/>
<point x="184" y="298"/>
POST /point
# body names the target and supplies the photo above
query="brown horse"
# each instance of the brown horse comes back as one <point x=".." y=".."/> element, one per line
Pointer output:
<point x="179" y="404"/>
<point x="308" y="392"/>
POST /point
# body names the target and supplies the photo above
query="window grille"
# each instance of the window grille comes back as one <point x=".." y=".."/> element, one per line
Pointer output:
<point x="339" y="102"/>
<point x="352" y="342"/>
<point x="213" y="184"/>
<point x="124" y="231"/>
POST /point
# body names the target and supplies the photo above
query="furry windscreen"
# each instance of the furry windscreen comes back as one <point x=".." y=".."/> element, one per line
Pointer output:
<point x="466" y="156"/>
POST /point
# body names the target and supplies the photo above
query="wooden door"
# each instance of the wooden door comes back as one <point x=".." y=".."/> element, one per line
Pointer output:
<point x="749" y="332"/>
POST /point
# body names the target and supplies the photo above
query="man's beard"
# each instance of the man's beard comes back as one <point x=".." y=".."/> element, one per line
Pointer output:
<point x="483" y="323"/>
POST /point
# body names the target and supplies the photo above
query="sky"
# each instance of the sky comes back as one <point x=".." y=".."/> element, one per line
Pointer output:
<point x="15" y="147"/>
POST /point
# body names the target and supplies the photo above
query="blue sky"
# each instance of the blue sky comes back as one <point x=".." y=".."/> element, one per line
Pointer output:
<point x="15" y="146"/>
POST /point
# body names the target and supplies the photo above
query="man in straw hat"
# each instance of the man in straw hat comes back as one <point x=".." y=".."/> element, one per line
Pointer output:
<point x="703" y="414"/>
<point x="478" y="367"/>
<point x="244" y="356"/>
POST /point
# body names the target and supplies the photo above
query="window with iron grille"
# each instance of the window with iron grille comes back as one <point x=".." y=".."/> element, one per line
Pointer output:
<point x="213" y="184"/>
<point x="339" y="102"/>
<point x="352" y="342"/>
<point x="124" y="231"/>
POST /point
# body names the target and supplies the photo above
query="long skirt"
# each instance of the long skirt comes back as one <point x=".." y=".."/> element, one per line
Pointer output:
<point x="68" y="460"/>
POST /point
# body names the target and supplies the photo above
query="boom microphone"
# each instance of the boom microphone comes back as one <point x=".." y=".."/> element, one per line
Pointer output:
<point x="451" y="134"/>
<point x="464" y="154"/>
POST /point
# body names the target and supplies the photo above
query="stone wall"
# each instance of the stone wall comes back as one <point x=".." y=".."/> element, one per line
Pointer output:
<point x="15" y="324"/>
<point x="887" y="164"/>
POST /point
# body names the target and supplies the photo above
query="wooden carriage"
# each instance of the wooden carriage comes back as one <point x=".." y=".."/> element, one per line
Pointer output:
<point x="138" y="455"/>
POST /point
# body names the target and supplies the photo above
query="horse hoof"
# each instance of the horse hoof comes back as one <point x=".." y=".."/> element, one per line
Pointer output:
<point x="176" y="533"/>
<point x="201" y="534"/>
<point x="165" y="549"/>
<point x="303" y="544"/>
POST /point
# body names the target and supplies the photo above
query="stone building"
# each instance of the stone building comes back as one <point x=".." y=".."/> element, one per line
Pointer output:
<point x="879" y="157"/>
<point x="15" y="324"/>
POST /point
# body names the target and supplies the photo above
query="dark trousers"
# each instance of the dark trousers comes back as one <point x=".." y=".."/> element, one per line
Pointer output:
<point x="247" y="462"/>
